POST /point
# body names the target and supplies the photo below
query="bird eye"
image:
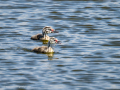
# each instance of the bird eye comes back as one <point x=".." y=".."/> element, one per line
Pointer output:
<point x="55" y="40"/>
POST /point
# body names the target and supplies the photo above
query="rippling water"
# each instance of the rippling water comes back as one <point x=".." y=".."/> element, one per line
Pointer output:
<point x="87" y="59"/>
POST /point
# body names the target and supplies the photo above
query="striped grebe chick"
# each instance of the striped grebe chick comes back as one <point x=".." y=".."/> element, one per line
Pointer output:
<point x="46" y="30"/>
<point x="47" y="49"/>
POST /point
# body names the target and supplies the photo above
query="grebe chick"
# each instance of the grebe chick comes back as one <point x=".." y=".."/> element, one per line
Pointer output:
<point x="47" y="49"/>
<point x="44" y="36"/>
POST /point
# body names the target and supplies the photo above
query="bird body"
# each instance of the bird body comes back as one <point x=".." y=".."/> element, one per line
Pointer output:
<point x="40" y="37"/>
<point x="43" y="49"/>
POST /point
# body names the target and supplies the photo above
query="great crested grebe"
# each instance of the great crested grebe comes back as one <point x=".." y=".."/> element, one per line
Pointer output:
<point x="44" y="36"/>
<point x="47" y="49"/>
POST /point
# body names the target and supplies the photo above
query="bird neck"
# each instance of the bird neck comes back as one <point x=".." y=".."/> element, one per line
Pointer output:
<point x="50" y="49"/>
<point x="49" y="44"/>
<point x="44" y="34"/>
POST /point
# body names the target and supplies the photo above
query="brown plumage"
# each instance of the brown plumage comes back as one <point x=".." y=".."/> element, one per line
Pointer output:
<point x="40" y="37"/>
<point x="43" y="49"/>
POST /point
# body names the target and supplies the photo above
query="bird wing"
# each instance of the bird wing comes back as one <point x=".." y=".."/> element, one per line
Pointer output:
<point x="37" y="37"/>
<point x="40" y="49"/>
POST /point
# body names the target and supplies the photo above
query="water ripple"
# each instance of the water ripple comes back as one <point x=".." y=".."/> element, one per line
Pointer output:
<point x="87" y="59"/>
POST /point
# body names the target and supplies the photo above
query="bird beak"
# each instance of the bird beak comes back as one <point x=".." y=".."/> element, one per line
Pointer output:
<point x="59" y="42"/>
<point x="54" y="31"/>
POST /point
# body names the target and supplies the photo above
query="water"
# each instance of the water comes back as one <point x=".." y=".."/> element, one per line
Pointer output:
<point x="87" y="59"/>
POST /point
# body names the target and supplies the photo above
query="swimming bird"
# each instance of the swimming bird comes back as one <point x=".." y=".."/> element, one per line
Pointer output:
<point x="47" y="49"/>
<point x="44" y="36"/>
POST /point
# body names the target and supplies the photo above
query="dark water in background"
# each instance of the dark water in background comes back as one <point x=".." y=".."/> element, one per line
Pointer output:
<point x="87" y="59"/>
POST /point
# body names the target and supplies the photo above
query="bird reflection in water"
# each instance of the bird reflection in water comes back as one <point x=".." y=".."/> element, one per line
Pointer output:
<point x="45" y="41"/>
<point x="50" y="55"/>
